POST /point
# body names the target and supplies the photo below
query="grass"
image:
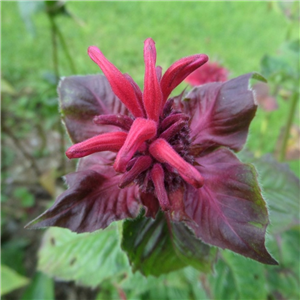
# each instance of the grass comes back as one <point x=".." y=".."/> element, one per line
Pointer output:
<point x="236" y="33"/>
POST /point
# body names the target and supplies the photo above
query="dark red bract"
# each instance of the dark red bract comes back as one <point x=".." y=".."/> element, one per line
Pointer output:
<point x="144" y="149"/>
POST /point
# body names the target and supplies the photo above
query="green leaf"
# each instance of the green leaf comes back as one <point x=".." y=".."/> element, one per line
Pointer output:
<point x="13" y="254"/>
<point x="42" y="287"/>
<point x="108" y="291"/>
<point x="87" y="258"/>
<point x="222" y="282"/>
<point x="183" y="284"/>
<point x="281" y="189"/>
<point x="155" y="247"/>
<point x="25" y="197"/>
<point x="7" y="88"/>
<point x="272" y="66"/>
<point x="246" y="274"/>
<point x="11" y="280"/>
<point x="284" y="279"/>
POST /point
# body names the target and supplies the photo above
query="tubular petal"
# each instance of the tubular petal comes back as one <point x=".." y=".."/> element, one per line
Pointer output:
<point x="140" y="131"/>
<point x="172" y="130"/>
<point x="163" y="152"/>
<point x="152" y="95"/>
<point x="137" y="91"/>
<point x="112" y="141"/>
<point x="170" y="120"/>
<point x="158" y="177"/>
<point x="158" y="70"/>
<point x="120" y="85"/>
<point x="178" y="71"/>
<point x="141" y="164"/>
<point x="121" y="121"/>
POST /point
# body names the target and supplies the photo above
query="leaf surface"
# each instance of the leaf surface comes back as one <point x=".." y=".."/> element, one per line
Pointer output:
<point x="81" y="99"/>
<point x="41" y="287"/>
<point x="11" y="280"/>
<point x="229" y="210"/>
<point x="93" y="199"/>
<point x="87" y="258"/>
<point x="221" y="113"/>
<point x="281" y="188"/>
<point x="156" y="247"/>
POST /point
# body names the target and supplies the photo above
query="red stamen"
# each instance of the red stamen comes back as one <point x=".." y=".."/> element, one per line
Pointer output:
<point x="158" y="177"/>
<point x="140" y="131"/>
<point x="141" y="164"/>
<point x="152" y="95"/>
<point x="121" y="121"/>
<point x="163" y="152"/>
<point x="120" y="85"/>
<point x="112" y="141"/>
<point x="172" y="130"/>
<point x="168" y="121"/>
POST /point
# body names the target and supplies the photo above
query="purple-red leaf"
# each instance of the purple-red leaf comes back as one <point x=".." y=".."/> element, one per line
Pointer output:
<point x="229" y="209"/>
<point x="84" y="97"/>
<point x="93" y="199"/>
<point x="221" y="113"/>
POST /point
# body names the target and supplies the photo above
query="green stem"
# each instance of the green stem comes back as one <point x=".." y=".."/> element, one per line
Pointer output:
<point x="205" y="286"/>
<point x="54" y="34"/>
<point x="293" y="105"/>
<point x="62" y="146"/>
<point x="19" y="146"/>
<point x="65" y="48"/>
<point x="54" y="47"/>
<point x="263" y="130"/>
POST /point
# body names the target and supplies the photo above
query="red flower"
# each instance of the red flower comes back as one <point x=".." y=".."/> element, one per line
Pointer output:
<point x="210" y="72"/>
<point x="161" y="153"/>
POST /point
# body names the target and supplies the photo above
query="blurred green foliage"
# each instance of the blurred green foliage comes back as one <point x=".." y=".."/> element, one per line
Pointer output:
<point x="243" y="36"/>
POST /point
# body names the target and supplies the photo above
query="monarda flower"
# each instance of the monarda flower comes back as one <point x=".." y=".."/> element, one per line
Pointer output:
<point x="210" y="72"/>
<point x="170" y="158"/>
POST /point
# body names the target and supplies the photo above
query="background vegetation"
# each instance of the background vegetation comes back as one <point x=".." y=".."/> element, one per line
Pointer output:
<point x="42" y="42"/>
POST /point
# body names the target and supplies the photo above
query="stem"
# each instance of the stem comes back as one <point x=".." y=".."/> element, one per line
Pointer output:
<point x="22" y="150"/>
<point x="54" y="34"/>
<point x="43" y="137"/>
<point x="65" y="48"/>
<point x="62" y="146"/>
<point x="294" y="101"/>
<point x="54" y="47"/>
<point x="205" y="286"/>
<point x="263" y="129"/>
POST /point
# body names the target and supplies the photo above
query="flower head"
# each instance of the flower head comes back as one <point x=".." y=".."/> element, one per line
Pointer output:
<point x="210" y="72"/>
<point x="175" y="155"/>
